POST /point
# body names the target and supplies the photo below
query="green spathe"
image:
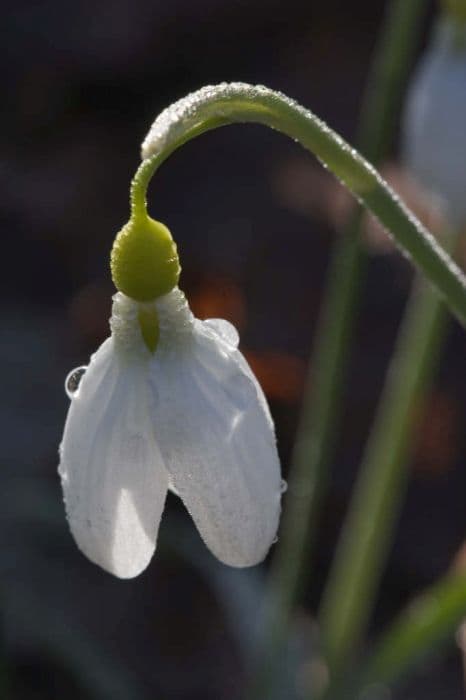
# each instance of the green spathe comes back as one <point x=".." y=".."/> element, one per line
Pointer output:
<point x="144" y="259"/>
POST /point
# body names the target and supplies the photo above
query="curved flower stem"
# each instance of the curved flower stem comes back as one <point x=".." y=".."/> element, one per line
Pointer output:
<point x="223" y="104"/>
<point x="380" y="487"/>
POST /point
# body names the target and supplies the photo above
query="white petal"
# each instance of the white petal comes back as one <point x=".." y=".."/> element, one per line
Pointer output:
<point x="112" y="473"/>
<point x="218" y="444"/>
<point x="225" y="330"/>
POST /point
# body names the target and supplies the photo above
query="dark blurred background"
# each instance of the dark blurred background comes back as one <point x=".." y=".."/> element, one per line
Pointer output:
<point x="251" y="213"/>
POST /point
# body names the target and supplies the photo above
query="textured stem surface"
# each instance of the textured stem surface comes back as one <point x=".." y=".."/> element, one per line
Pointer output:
<point x="229" y="103"/>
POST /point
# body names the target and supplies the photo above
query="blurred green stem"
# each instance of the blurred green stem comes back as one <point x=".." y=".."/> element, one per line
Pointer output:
<point x="392" y="62"/>
<point x="380" y="487"/>
<point x="312" y="452"/>
<point x="430" y="620"/>
<point x="315" y="440"/>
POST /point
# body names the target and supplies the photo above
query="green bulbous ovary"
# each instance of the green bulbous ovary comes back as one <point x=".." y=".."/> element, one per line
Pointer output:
<point x="144" y="260"/>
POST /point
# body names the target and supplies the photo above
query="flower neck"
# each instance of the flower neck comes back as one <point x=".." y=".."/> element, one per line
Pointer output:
<point x="174" y="314"/>
<point x="139" y="328"/>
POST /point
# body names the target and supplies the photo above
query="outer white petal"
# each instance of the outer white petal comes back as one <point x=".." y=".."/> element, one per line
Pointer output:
<point x="112" y="473"/>
<point x="224" y="329"/>
<point x="218" y="442"/>
<point x="434" y="122"/>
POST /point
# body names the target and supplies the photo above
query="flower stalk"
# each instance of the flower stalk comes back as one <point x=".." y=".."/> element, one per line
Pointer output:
<point x="230" y="103"/>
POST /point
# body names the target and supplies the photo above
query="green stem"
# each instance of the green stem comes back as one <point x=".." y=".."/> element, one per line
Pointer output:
<point x="392" y="61"/>
<point x="320" y="414"/>
<point x="380" y="487"/>
<point x="224" y="104"/>
<point x="427" y="623"/>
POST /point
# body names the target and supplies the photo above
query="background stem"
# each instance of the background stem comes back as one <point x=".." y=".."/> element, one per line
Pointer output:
<point x="430" y="619"/>
<point x="315" y="440"/>
<point x="380" y="487"/>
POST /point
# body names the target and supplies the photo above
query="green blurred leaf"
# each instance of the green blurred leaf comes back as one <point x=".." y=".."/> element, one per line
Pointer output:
<point x="429" y="621"/>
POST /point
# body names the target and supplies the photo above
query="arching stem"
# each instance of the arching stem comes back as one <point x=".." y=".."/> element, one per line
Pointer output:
<point x="229" y="103"/>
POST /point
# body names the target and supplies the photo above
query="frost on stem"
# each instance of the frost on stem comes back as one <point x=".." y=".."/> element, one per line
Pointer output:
<point x="223" y="104"/>
<point x="185" y="114"/>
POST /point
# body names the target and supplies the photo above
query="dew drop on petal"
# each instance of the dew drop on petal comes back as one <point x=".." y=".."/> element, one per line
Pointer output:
<point x="283" y="486"/>
<point x="73" y="380"/>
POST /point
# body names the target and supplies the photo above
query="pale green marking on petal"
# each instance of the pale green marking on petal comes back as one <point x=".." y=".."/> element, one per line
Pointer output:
<point x="150" y="329"/>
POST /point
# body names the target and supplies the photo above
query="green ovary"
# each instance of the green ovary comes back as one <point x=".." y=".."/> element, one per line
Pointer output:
<point x="144" y="259"/>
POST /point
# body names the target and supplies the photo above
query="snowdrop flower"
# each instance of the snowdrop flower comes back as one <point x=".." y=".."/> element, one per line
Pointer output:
<point x="167" y="402"/>
<point x="435" y="116"/>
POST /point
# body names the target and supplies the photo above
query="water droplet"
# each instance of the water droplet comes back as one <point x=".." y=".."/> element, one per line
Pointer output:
<point x="275" y="540"/>
<point x="73" y="380"/>
<point x="283" y="486"/>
